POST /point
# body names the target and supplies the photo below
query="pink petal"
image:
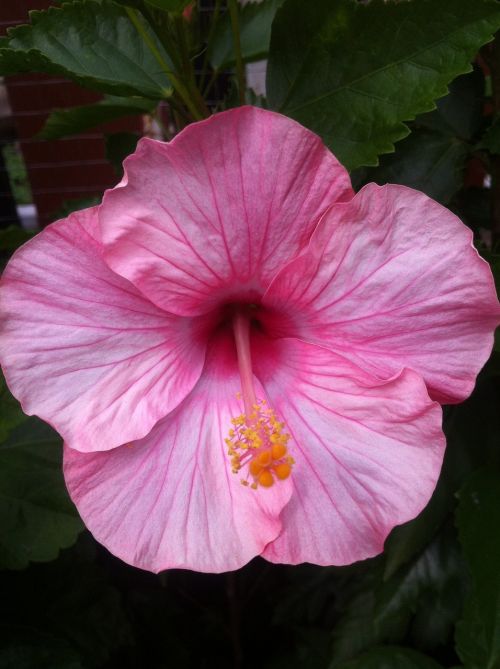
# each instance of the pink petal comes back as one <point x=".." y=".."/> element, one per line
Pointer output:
<point x="170" y="499"/>
<point x="214" y="214"/>
<point x="82" y="348"/>
<point x="391" y="280"/>
<point x="368" y="453"/>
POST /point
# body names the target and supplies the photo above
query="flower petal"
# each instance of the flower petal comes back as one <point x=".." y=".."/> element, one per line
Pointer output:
<point x="213" y="214"/>
<point x="170" y="499"/>
<point x="391" y="280"/>
<point x="82" y="348"/>
<point x="368" y="453"/>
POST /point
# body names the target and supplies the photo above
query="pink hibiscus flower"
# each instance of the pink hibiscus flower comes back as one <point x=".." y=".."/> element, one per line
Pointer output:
<point x="243" y="357"/>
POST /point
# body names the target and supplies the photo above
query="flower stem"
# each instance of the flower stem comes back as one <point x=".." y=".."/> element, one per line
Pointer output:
<point x="176" y="82"/>
<point x="187" y="65"/>
<point x="240" y="70"/>
<point x="210" y="39"/>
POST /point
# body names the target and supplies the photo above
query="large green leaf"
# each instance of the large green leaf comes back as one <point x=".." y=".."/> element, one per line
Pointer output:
<point x="429" y="592"/>
<point x="93" y="43"/>
<point x="478" y="519"/>
<point x="37" y="518"/>
<point x="391" y="657"/>
<point x="428" y="161"/>
<point x="460" y="113"/>
<point x="255" y="32"/>
<point x="354" y="73"/>
<point x="356" y="628"/>
<point x="420" y="601"/>
<point x="65" y="122"/>
<point x="432" y="158"/>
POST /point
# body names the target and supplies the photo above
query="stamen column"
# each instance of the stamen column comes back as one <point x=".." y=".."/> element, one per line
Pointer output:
<point x="256" y="440"/>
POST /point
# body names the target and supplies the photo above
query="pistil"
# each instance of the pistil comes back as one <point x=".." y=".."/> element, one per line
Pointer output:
<point x="241" y="330"/>
<point x="257" y="442"/>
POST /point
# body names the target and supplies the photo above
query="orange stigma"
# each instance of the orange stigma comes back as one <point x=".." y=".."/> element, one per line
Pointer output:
<point x="257" y="443"/>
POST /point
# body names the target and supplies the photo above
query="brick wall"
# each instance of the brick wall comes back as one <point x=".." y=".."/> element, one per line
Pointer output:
<point x="64" y="169"/>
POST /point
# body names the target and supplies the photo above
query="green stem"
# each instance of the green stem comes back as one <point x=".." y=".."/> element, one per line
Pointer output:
<point x="210" y="39"/>
<point x="161" y="31"/>
<point x="179" y="114"/>
<point x="240" y="70"/>
<point x="176" y="82"/>
<point x="210" y="83"/>
<point x="187" y="65"/>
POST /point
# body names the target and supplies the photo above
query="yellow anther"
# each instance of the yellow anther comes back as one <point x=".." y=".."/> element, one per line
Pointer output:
<point x="283" y="471"/>
<point x="255" y="467"/>
<point x="278" y="451"/>
<point x="264" y="458"/>
<point x="258" y="443"/>
<point x="266" y="478"/>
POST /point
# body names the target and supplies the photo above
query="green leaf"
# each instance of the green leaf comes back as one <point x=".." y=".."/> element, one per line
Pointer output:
<point x="420" y="601"/>
<point x="491" y="139"/>
<point x="76" y="204"/>
<point x="430" y="592"/>
<point x="17" y="173"/>
<point x="354" y="72"/>
<point x="10" y="410"/>
<point x="13" y="61"/>
<point x="428" y="161"/>
<point x="119" y="145"/>
<point x="356" y="629"/>
<point x="391" y="657"/>
<point x="65" y="122"/>
<point x="255" y="33"/>
<point x="432" y="158"/>
<point x="37" y="518"/>
<point x="460" y="113"/>
<point x="173" y="6"/>
<point x="11" y="238"/>
<point x="92" y="43"/>
<point x="478" y="520"/>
